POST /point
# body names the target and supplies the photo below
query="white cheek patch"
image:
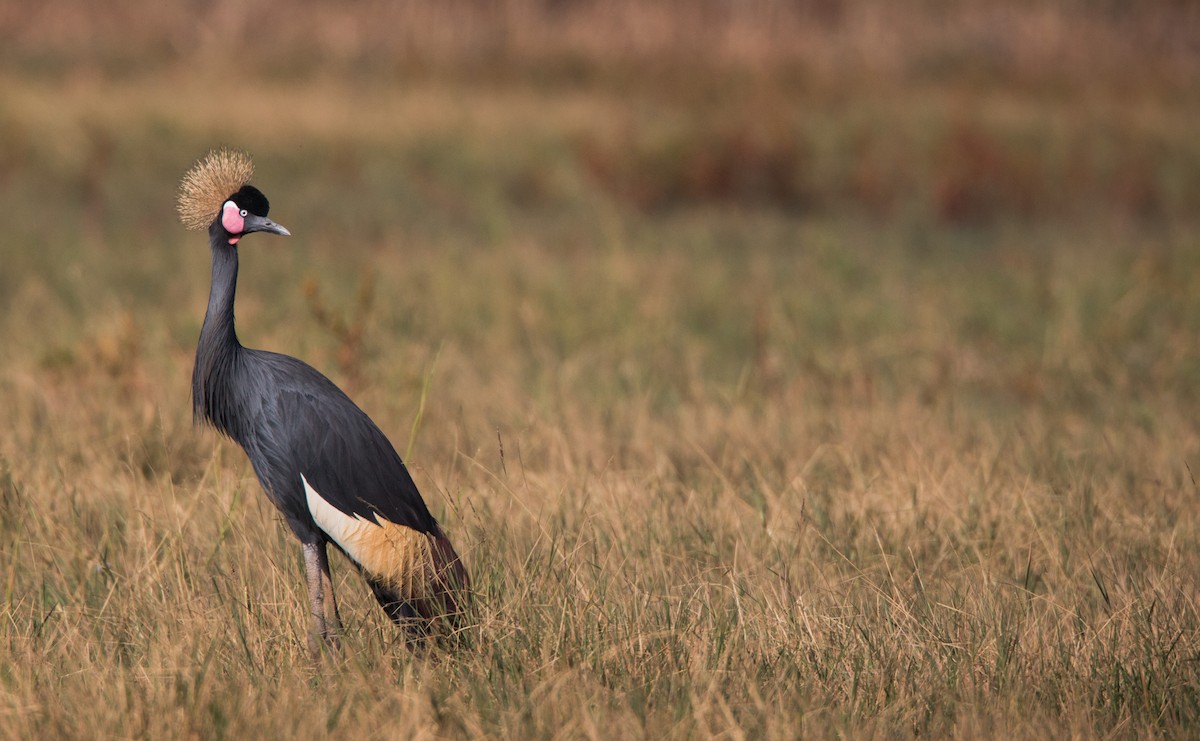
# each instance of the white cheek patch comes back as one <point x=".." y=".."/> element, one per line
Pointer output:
<point x="231" y="218"/>
<point x="398" y="555"/>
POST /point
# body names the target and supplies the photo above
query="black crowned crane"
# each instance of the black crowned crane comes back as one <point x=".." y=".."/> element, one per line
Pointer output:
<point x="320" y="459"/>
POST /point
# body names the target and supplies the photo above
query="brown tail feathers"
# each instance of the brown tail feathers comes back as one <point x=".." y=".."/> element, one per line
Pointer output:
<point x="434" y="602"/>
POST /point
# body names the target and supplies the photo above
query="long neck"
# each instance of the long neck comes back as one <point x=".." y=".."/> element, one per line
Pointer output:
<point x="218" y="348"/>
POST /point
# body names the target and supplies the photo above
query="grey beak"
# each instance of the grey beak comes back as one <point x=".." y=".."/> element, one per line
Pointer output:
<point x="263" y="224"/>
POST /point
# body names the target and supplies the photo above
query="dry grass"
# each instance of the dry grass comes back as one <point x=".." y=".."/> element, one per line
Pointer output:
<point x="867" y="41"/>
<point x="857" y="423"/>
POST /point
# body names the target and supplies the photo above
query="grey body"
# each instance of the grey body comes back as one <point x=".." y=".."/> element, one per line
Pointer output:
<point x="293" y="422"/>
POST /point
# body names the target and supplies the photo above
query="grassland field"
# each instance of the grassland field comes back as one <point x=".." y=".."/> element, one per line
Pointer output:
<point x="761" y="405"/>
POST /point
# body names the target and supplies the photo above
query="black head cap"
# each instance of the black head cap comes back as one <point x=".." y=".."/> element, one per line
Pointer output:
<point x="251" y="199"/>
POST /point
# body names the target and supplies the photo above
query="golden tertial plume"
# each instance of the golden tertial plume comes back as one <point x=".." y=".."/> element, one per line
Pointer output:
<point x="213" y="179"/>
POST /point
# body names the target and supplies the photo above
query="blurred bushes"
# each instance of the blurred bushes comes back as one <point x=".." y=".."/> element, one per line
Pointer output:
<point x="954" y="168"/>
<point x="730" y="162"/>
<point x="961" y="112"/>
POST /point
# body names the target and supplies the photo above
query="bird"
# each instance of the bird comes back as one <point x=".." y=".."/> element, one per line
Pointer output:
<point x="325" y="465"/>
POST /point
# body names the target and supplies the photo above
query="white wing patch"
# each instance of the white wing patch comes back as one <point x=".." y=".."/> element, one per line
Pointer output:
<point x="398" y="555"/>
<point x="344" y="529"/>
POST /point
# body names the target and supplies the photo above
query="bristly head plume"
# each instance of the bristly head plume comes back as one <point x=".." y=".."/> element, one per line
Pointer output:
<point x="209" y="183"/>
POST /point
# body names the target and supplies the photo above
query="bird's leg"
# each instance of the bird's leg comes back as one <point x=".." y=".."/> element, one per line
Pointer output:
<point x="316" y="568"/>
<point x="333" y="619"/>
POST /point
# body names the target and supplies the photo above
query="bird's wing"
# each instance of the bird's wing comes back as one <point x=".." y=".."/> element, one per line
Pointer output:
<point x="343" y="455"/>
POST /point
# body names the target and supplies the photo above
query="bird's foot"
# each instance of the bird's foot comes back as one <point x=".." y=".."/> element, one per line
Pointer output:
<point x="324" y="644"/>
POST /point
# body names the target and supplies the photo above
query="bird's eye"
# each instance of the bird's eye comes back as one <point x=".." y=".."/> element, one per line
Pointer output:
<point x="243" y="213"/>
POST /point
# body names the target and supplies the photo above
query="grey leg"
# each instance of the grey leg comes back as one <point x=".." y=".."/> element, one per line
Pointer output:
<point x="316" y="574"/>
<point x="333" y="618"/>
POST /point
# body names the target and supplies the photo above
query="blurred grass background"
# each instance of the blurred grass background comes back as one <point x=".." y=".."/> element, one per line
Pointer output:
<point x="782" y="368"/>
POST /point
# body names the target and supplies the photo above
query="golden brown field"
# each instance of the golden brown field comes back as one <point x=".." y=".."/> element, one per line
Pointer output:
<point x="783" y="370"/>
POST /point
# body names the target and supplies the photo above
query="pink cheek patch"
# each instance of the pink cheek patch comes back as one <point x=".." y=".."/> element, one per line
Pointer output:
<point x="231" y="219"/>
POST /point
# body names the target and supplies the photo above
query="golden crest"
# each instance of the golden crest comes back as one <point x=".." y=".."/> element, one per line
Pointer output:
<point x="209" y="183"/>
